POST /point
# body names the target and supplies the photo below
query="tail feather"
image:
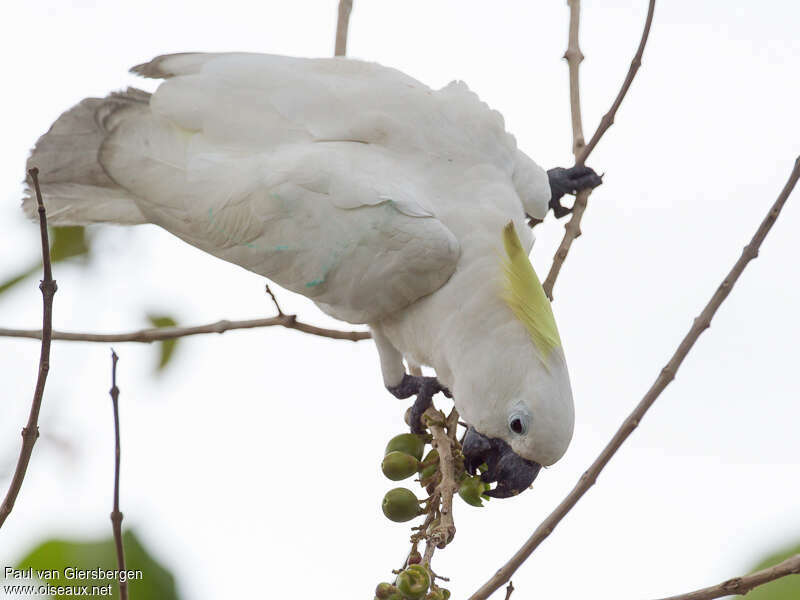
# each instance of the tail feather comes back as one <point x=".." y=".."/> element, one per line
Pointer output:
<point x="75" y="187"/>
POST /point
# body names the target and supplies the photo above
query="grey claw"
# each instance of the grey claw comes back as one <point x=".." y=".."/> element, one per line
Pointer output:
<point x="570" y="181"/>
<point x="424" y="388"/>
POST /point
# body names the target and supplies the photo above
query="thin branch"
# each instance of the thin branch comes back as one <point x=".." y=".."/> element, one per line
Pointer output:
<point x="274" y="300"/>
<point x="116" y="515"/>
<point x="31" y="430"/>
<point x="572" y="229"/>
<point x="509" y="589"/>
<point x="701" y="323"/>
<point x="345" y="6"/>
<point x="157" y="334"/>
<point x="739" y="586"/>
<point x="574" y="56"/>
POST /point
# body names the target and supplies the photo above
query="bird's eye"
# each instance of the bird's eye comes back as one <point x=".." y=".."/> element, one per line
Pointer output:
<point x="518" y="424"/>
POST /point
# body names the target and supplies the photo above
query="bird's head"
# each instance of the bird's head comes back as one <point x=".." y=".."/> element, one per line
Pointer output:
<point x="519" y="410"/>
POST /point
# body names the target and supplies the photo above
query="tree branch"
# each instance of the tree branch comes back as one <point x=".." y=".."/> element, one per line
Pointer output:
<point x="739" y="586"/>
<point x="574" y="57"/>
<point x="345" y="6"/>
<point x="31" y="430"/>
<point x="701" y="323"/>
<point x="116" y="515"/>
<point x="157" y="334"/>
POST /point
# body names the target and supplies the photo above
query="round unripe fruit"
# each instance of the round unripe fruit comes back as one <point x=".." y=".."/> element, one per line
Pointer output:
<point x="429" y="466"/>
<point x="410" y="443"/>
<point x="414" y="582"/>
<point x="400" y="505"/>
<point x="431" y="457"/>
<point x="471" y="490"/>
<point x="414" y="558"/>
<point x="399" y="465"/>
<point x="384" y="591"/>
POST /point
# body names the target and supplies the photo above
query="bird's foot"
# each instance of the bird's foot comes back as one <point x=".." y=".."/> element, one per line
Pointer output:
<point x="570" y="181"/>
<point x="424" y="388"/>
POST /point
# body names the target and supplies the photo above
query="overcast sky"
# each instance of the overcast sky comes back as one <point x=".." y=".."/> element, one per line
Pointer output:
<point x="255" y="459"/>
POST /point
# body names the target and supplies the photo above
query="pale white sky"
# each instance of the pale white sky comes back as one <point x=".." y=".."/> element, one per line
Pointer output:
<point x="255" y="459"/>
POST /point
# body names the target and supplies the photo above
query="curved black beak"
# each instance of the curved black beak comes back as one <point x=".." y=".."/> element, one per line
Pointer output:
<point x="512" y="473"/>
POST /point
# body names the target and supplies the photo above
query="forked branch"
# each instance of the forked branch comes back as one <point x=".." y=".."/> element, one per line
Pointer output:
<point x="574" y="57"/>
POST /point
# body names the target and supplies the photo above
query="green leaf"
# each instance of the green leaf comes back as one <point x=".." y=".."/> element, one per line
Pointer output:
<point x="156" y="582"/>
<point x="786" y="588"/>
<point x="167" y="346"/>
<point x="68" y="242"/>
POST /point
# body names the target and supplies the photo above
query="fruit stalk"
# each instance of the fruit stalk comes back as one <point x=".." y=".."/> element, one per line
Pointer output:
<point x="444" y="442"/>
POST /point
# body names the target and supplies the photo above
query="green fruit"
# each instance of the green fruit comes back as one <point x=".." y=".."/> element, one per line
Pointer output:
<point x="427" y="473"/>
<point x="410" y="443"/>
<point x="431" y="460"/>
<point x="472" y="489"/>
<point x="434" y="595"/>
<point x="414" y="582"/>
<point x="384" y="591"/>
<point x="414" y="558"/>
<point x="400" y="505"/>
<point x="399" y="465"/>
<point x="445" y="593"/>
<point x="429" y="466"/>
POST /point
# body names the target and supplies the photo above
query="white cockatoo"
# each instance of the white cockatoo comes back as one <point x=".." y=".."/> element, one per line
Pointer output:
<point x="385" y="202"/>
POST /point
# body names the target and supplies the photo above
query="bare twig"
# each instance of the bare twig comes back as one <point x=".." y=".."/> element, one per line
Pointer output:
<point x="574" y="56"/>
<point x="701" y="323"/>
<point x="345" y="6"/>
<point x="509" y="589"/>
<point x="274" y="300"/>
<point x="739" y="586"/>
<point x="157" y="334"/>
<point x="572" y="229"/>
<point x="31" y="430"/>
<point x="116" y="515"/>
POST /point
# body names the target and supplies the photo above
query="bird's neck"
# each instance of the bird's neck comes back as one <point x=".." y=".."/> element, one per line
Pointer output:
<point x="464" y="325"/>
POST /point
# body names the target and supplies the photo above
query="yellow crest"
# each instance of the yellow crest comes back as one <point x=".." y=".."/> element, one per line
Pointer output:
<point x="523" y="292"/>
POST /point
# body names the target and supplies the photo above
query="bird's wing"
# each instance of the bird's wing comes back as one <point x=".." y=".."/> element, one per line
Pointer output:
<point x="293" y="169"/>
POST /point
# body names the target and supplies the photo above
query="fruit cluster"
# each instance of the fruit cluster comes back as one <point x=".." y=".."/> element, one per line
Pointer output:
<point x="413" y="583"/>
<point x="403" y="458"/>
